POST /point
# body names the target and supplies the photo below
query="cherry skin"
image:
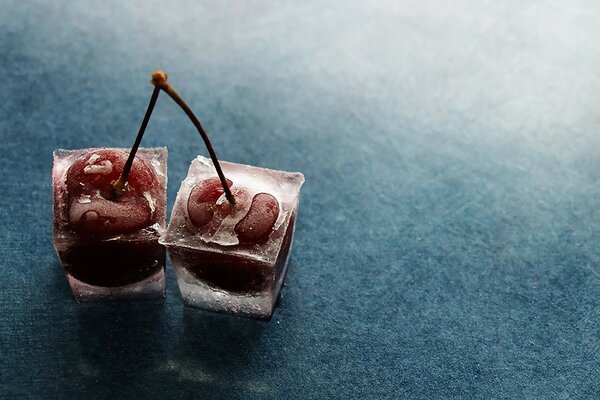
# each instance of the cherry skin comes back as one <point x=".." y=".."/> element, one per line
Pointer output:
<point x="259" y="213"/>
<point x="92" y="210"/>
<point x="260" y="219"/>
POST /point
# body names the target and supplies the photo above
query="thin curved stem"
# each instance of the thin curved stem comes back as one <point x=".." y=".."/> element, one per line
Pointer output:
<point x="120" y="183"/>
<point x="159" y="80"/>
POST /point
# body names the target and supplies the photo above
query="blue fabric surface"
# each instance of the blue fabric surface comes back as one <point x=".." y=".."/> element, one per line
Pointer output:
<point x="447" y="243"/>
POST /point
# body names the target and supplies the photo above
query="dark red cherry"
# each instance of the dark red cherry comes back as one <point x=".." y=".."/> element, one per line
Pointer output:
<point x="89" y="184"/>
<point x="259" y="221"/>
<point x="201" y="203"/>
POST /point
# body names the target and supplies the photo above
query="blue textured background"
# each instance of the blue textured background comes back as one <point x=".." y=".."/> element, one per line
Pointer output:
<point x="448" y="240"/>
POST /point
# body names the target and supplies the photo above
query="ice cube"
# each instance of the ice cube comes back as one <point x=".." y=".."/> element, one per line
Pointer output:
<point x="109" y="249"/>
<point x="219" y="267"/>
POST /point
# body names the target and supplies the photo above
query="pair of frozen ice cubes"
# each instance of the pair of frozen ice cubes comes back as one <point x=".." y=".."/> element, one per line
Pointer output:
<point x="117" y="250"/>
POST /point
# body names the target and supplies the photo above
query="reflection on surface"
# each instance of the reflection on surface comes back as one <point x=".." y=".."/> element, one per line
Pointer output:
<point x="214" y="351"/>
<point x="109" y="348"/>
<point x="118" y="341"/>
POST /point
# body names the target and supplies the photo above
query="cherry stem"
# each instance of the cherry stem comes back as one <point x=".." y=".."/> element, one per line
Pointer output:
<point x="159" y="80"/>
<point x="120" y="183"/>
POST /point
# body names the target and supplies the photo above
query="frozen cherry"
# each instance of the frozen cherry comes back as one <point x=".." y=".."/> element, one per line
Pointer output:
<point x="93" y="210"/>
<point x="250" y="218"/>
